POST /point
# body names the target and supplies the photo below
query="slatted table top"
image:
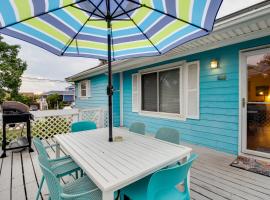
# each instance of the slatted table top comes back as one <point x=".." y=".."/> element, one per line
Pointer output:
<point x="114" y="165"/>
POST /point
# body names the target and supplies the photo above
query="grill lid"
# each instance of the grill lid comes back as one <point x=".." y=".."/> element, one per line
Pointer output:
<point x="14" y="107"/>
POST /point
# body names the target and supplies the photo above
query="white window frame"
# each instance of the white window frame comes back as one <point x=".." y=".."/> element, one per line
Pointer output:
<point x="175" y="116"/>
<point x="88" y="89"/>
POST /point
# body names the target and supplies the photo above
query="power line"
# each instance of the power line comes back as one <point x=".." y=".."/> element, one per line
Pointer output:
<point x="43" y="79"/>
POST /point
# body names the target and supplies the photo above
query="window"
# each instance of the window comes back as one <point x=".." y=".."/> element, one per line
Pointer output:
<point x="160" y="91"/>
<point x="149" y="92"/>
<point x="84" y="88"/>
<point x="167" y="92"/>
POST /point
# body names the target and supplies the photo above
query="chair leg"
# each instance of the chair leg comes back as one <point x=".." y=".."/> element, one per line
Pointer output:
<point x="81" y="173"/>
<point x="40" y="187"/>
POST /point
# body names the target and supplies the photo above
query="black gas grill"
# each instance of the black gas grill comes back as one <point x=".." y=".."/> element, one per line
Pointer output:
<point x="15" y="112"/>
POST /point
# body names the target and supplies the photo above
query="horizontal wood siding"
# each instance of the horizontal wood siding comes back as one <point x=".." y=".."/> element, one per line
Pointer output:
<point x="218" y="125"/>
<point x="99" y="96"/>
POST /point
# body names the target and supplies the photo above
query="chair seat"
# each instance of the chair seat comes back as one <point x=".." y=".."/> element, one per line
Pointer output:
<point x="80" y="185"/>
<point x="83" y="185"/>
<point x="138" y="191"/>
<point x="62" y="168"/>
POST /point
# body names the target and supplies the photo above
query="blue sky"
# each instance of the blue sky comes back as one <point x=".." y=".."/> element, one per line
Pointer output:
<point x="44" y="65"/>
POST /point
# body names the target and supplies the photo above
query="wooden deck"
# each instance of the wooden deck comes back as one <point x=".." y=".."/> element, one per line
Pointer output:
<point x="211" y="177"/>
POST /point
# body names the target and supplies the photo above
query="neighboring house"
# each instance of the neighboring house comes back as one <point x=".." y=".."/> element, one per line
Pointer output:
<point x="203" y="88"/>
<point x="68" y="96"/>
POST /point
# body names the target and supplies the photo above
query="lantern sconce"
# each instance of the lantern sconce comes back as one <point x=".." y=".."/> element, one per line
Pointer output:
<point x="214" y="64"/>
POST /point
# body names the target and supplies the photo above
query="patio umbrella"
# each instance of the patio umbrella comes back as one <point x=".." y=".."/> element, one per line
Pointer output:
<point x="108" y="29"/>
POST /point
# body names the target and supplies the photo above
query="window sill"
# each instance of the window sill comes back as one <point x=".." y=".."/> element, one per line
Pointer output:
<point x="163" y="115"/>
<point x="83" y="98"/>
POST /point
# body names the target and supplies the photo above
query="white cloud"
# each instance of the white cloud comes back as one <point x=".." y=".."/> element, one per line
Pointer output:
<point x="43" y="64"/>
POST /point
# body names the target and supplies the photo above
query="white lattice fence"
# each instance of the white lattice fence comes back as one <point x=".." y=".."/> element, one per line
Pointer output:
<point x="51" y="122"/>
<point x="13" y="131"/>
<point x="97" y="115"/>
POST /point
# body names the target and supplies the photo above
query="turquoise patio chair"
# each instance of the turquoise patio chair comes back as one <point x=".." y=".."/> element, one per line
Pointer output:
<point x="65" y="165"/>
<point x="168" y="134"/>
<point x="80" y="189"/>
<point x="137" y="127"/>
<point x="162" y="184"/>
<point x="83" y="126"/>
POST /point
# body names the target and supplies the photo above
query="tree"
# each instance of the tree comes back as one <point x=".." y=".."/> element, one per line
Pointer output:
<point x="11" y="70"/>
<point x="28" y="100"/>
<point x="265" y="62"/>
<point x="54" y="100"/>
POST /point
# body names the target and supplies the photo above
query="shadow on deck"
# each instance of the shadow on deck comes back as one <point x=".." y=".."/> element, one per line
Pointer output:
<point x="211" y="177"/>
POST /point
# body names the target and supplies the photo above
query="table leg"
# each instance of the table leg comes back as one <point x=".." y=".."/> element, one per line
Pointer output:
<point x="109" y="195"/>
<point x="188" y="176"/>
<point x="181" y="186"/>
<point x="57" y="150"/>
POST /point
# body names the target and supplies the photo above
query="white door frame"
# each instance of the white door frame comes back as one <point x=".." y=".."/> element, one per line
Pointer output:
<point x="243" y="54"/>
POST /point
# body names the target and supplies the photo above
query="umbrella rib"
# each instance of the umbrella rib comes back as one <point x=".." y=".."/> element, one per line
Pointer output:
<point x="97" y="7"/>
<point x="167" y="14"/>
<point x="112" y="43"/>
<point x="117" y="8"/>
<point x="69" y="43"/>
<point x="44" y="13"/>
<point x="139" y="28"/>
<point x="126" y="11"/>
<point x="89" y="12"/>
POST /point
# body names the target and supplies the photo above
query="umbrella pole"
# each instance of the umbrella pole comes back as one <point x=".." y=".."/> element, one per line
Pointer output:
<point x="110" y="87"/>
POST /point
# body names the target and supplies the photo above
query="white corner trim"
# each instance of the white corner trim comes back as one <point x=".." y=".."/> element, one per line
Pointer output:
<point x="121" y="100"/>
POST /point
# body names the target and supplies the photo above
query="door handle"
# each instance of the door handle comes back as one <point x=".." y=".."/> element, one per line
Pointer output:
<point x="243" y="102"/>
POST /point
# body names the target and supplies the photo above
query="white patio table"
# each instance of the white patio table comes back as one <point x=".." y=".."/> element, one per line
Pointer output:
<point x="115" y="165"/>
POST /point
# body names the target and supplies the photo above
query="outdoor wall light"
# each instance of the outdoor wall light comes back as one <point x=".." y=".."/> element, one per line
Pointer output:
<point x="214" y="64"/>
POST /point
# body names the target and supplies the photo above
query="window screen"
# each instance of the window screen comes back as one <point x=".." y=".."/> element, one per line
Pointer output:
<point x="169" y="99"/>
<point x="149" y="92"/>
<point x="83" y="88"/>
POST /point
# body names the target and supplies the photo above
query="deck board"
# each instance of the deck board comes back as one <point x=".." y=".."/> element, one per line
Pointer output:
<point x="211" y="177"/>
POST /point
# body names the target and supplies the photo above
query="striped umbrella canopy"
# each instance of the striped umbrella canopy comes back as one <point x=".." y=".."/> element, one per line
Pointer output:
<point x="107" y="29"/>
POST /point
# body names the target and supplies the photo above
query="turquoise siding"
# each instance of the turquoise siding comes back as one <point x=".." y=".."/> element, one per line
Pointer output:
<point x="99" y="97"/>
<point x="218" y="125"/>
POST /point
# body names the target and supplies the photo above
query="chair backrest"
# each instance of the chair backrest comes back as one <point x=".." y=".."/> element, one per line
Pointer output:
<point x="168" y="134"/>
<point x="83" y="126"/>
<point x="168" y="178"/>
<point x="39" y="146"/>
<point x="52" y="181"/>
<point x="137" y="127"/>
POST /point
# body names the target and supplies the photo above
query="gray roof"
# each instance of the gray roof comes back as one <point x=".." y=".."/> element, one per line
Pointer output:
<point x="58" y="92"/>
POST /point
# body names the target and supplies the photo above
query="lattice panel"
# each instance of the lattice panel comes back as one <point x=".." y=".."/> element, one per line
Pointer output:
<point x="106" y="118"/>
<point x="92" y="115"/>
<point x="95" y="115"/>
<point x="13" y="132"/>
<point x="49" y="126"/>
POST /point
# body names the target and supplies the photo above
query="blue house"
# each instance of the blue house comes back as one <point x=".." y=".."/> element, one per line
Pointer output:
<point x="215" y="90"/>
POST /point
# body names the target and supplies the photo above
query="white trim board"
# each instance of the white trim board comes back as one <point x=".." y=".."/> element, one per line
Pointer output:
<point x="121" y="100"/>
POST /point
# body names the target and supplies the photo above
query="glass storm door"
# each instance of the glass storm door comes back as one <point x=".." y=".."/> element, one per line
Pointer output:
<point x="257" y="103"/>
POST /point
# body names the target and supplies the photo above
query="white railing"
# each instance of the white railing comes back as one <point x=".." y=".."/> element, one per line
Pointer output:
<point x="50" y="122"/>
